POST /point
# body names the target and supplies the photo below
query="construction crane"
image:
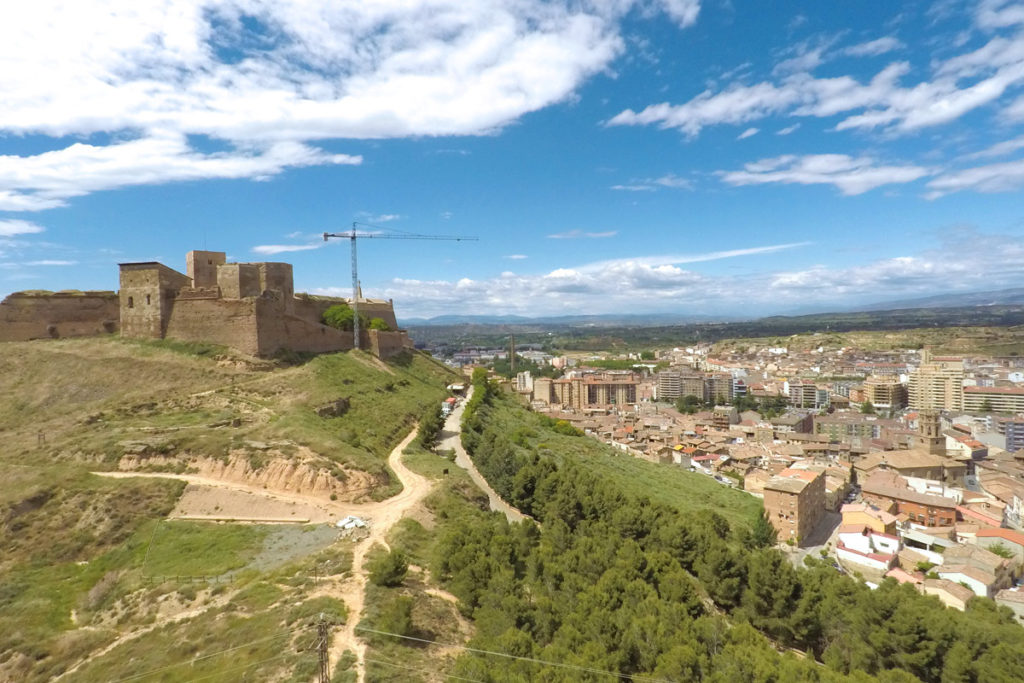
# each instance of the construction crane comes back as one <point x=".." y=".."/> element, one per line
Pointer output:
<point x="353" y="235"/>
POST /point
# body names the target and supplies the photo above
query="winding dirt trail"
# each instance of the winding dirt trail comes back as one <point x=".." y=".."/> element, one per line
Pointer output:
<point x="353" y="589"/>
<point x="451" y="439"/>
<point x="381" y="516"/>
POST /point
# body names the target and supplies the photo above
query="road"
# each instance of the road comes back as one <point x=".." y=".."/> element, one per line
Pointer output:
<point x="451" y="440"/>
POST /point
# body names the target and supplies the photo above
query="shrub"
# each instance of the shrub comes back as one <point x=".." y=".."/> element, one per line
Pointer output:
<point x="389" y="569"/>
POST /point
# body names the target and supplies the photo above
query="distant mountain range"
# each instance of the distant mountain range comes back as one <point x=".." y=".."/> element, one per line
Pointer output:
<point x="605" y="320"/>
<point x="1002" y="297"/>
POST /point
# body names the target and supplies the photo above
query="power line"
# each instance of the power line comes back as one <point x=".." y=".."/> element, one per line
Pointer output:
<point x="239" y="668"/>
<point x="425" y="671"/>
<point x="534" y="660"/>
<point x="135" y="677"/>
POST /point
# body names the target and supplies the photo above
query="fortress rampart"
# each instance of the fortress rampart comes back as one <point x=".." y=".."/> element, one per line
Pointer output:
<point x="251" y="307"/>
<point x="49" y="315"/>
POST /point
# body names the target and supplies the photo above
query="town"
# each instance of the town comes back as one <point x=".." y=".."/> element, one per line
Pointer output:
<point x="902" y="464"/>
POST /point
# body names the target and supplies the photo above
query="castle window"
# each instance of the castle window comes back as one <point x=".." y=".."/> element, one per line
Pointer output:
<point x="148" y="302"/>
<point x="131" y="302"/>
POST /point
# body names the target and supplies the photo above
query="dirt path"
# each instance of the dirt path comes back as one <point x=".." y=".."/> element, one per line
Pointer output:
<point x="139" y="632"/>
<point x="450" y="439"/>
<point x="382" y="516"/>
<point x="386" y="514"/>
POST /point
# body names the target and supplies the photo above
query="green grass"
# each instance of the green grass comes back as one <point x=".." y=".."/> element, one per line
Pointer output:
<point x="80" y="550"/>
<point x="201" y="548"/>
<point x="669" y="484"/>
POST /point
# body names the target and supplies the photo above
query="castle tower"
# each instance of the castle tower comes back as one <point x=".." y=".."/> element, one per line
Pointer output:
<point x="202" y="267"/>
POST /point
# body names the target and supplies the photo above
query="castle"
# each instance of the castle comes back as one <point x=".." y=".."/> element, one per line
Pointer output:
<point x="250" y="307"/>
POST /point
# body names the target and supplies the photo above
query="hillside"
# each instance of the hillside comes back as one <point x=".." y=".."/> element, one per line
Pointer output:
<point x="88" y="562"/>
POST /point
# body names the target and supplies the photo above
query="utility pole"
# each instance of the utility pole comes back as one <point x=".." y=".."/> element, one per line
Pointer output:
<point x="321" y="646"/>
<point x="353" y="235"/>
<point x="512" y="358"/>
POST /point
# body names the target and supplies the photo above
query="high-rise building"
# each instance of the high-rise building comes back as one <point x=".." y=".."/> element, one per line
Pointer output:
<point x="938" y="384"/>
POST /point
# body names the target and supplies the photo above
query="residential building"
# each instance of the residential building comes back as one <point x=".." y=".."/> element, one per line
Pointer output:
<point x="982" y="571"/>
<point x="718" y="387"/>
<point x="863" y="546"/>
<point x="870" y="517"/>
<point x="1007" y="538"/>
<point x="1014" y="431"/>
<point x="993" y="399"/>
<point x="949" y="593"/>
<point x="920" y="508"/>
<point x="846" y="427"/>
<point x="885" y="392"/>
<point x="938" y="383"/>
<point x="795" y="502"/>
<point x="915" y="463"/>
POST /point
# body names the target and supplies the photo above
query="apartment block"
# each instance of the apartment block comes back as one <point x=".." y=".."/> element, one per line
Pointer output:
<point x="938" y="384"/>
<point x="795" y="502"/>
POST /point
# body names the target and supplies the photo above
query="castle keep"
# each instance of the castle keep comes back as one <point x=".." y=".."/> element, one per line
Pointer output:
<point x="251" y="307"/>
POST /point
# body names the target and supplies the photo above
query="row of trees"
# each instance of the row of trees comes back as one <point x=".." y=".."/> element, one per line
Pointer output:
<point x="616" y="582"/>
<point x="768" y="407"/>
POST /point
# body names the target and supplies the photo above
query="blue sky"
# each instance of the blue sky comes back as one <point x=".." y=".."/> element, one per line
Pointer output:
<point x="612" y="156"/>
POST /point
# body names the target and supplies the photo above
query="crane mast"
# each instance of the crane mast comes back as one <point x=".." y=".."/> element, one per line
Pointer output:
<point x="354" y="235"/>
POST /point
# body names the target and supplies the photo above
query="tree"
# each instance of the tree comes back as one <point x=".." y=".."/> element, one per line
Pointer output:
<point x="986" y="406"/>
<point x="379" y="324"/>
<point x="867" y="408"/>
<point x="389" y="569"/>
<point x="340" y="316"/>
<point x="689" y="404"/>
<point x="763" y="534"/>
<point x="396" y="617"/>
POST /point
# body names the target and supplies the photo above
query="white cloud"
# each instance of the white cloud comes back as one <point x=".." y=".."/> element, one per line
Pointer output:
<point x="999" y="149"/>
<point x="580" y="234"/>
<point x="48" y="179"/>
<point x="683" y="12"/>
<point x="748" y="133"/>
<point x="262" y="79"/>
<point x="1004" y="177"/>
<point x="965" y="260"/>
<point x="669" y="180"/>
<point x="268" y="249"/>
<point x="1015" y="110"/>
<point x="379" y="218"/>
<point x="788" y="129"/>
<point x="957" y="85"/>
<point x="51" y="262"/>
<point x="993" y="14"/>
<point x="634" y="188"/>
<point x="675" y="259"/>
<point x="12" y="227"/>
<point x="850" y="175"/>
<point x="873" y="48"/>
<point x="516" y="257"/>
<point x="805" y="56"/>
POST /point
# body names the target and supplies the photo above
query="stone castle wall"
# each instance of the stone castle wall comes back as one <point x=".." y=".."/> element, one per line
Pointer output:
<point x="147" y="297"/>
<point x="250" y="307"/>
<point x="229" y="322"/>
<point x="45" y="315"/>
<point x="387" y="344"/>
